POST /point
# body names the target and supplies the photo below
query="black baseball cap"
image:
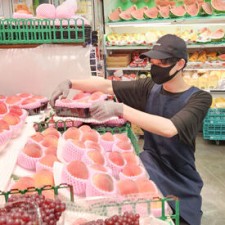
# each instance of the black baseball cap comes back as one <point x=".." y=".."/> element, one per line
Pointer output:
<point x="168" y="46"/>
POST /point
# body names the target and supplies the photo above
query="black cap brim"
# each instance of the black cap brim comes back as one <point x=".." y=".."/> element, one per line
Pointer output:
<point x="154" y="54"/>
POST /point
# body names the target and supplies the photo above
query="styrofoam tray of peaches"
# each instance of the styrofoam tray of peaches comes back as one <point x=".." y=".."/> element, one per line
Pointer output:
<point x="77" y="108"/>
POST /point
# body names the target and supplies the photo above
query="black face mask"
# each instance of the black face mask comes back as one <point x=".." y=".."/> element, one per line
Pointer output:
<point x="161" y="75"/>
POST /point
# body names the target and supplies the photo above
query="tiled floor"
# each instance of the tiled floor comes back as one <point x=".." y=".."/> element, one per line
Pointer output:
<point x="210" y="161"/>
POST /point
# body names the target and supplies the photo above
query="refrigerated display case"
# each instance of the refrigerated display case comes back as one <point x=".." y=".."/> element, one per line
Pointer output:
<point x="134" y="34"/>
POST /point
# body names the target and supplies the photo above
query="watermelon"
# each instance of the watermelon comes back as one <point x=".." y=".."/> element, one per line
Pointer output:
<point x="125" y="15"/>
<point x="218" y="5"/>
<point x="177" y="11"/>
<point x="114" y="16"/>
<point x="217" y="35"/>
<point x="221" y="57"/>
<point x="151" y="13"/>
<point x="139" y="13"/>
<point x="207" y="8"/>
<point x="164" y="11"/>
<point x="204" y="35"/>
<point x="192" y="9"/>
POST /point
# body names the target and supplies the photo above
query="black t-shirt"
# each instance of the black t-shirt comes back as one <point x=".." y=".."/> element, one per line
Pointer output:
<point x="188" y="121"/>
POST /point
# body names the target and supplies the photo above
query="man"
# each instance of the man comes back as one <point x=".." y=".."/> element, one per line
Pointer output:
<point x="169" y="111"/>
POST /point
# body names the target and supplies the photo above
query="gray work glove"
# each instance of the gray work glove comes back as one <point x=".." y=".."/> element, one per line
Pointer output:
<point x="61" y="90"/>
<point x="103" y="110"/>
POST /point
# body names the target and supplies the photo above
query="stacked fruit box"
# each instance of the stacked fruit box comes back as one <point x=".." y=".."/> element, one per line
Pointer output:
<point x="118" y="60"/>
<point x="214" y="125"/>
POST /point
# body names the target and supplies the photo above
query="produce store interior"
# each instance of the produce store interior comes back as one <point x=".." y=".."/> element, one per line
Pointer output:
<point x="46" y="42"/>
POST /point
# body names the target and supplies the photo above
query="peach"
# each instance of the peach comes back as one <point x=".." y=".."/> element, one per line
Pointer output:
<point x="32" y="150"/>
<point x="95" y="95"/>
<point x="48" y="194"/>
<point x="11" y="100"/>
<point x="28" y="101"/>
<point x="72" y="133"/>
<point x="38" y="137"/>
<point x="103" y="181"/>
<point x="42" y="178"/>
<point x="130" y="157"/>
<point x="4" y="125"/>
<point x="78" y="169"/>
<point x="78" y="143"/>
<point x="52" y="131"/>
<point x="50" y="141"/>
<point x="147" y="186"/>
<point x="23" y="183"/>
<point x="80" y="221"/>
<point x="98" y="167"/>
<point x="127" y="186"/>
<point x="80" y="95"/>
<point x="124" y="145"/>
<point x="84" y="128"/>
<point x="3" y="108"/>
<point x="96" y="157"/>
<point x="116" y="158"/>
<point x="93" y="145"/>
<point x="131" y="169"/>
<point x="16" y="110"/>
<point x="121" y="137"/>
<point x="48" y="160"/>
<point x="24" y="95"/>
<point x="90" y="135"/>
<point x="11" y="118"/>
<point x="107" y="136"/>
<point x="51" y="150"/>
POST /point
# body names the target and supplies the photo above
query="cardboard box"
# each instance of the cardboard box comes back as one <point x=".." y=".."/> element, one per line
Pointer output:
<point x="118" y="60"/>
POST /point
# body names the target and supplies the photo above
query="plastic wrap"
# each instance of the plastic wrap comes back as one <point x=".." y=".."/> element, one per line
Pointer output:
<point x="39" y="70"/>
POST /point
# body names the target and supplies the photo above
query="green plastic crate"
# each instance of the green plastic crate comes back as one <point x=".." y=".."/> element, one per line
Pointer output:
<point x="215" y="116"/>
<point x="39" y="191"/>
<point x="109" y="206"/>
<point x="214" y="131"/>
<point x="41" y="31"/>
<point x="214" y="124"/>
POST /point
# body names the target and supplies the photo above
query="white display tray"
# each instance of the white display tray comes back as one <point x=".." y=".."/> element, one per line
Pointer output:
<point x="8" y="156"/>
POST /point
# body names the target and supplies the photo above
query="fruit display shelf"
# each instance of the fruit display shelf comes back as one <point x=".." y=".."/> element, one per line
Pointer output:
<point x="103" y="208"/>
<point x="99" y="209"/>
<point x="8" y="156"/>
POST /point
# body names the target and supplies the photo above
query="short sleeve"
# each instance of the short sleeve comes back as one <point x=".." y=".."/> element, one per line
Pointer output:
<point x="188" y="121"/>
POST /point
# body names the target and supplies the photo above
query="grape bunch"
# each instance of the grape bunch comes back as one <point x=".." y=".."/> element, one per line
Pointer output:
<point x="31" y="210"/>
<point x="128" y="218"/>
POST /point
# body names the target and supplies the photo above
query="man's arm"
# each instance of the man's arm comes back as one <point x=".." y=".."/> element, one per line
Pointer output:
<point x="93" y="84"/>
<point x="151" y="123"/>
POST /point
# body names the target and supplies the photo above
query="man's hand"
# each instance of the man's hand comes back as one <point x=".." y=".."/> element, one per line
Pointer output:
<point x="61" y="90"/>
<point x="103" y="110"/>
